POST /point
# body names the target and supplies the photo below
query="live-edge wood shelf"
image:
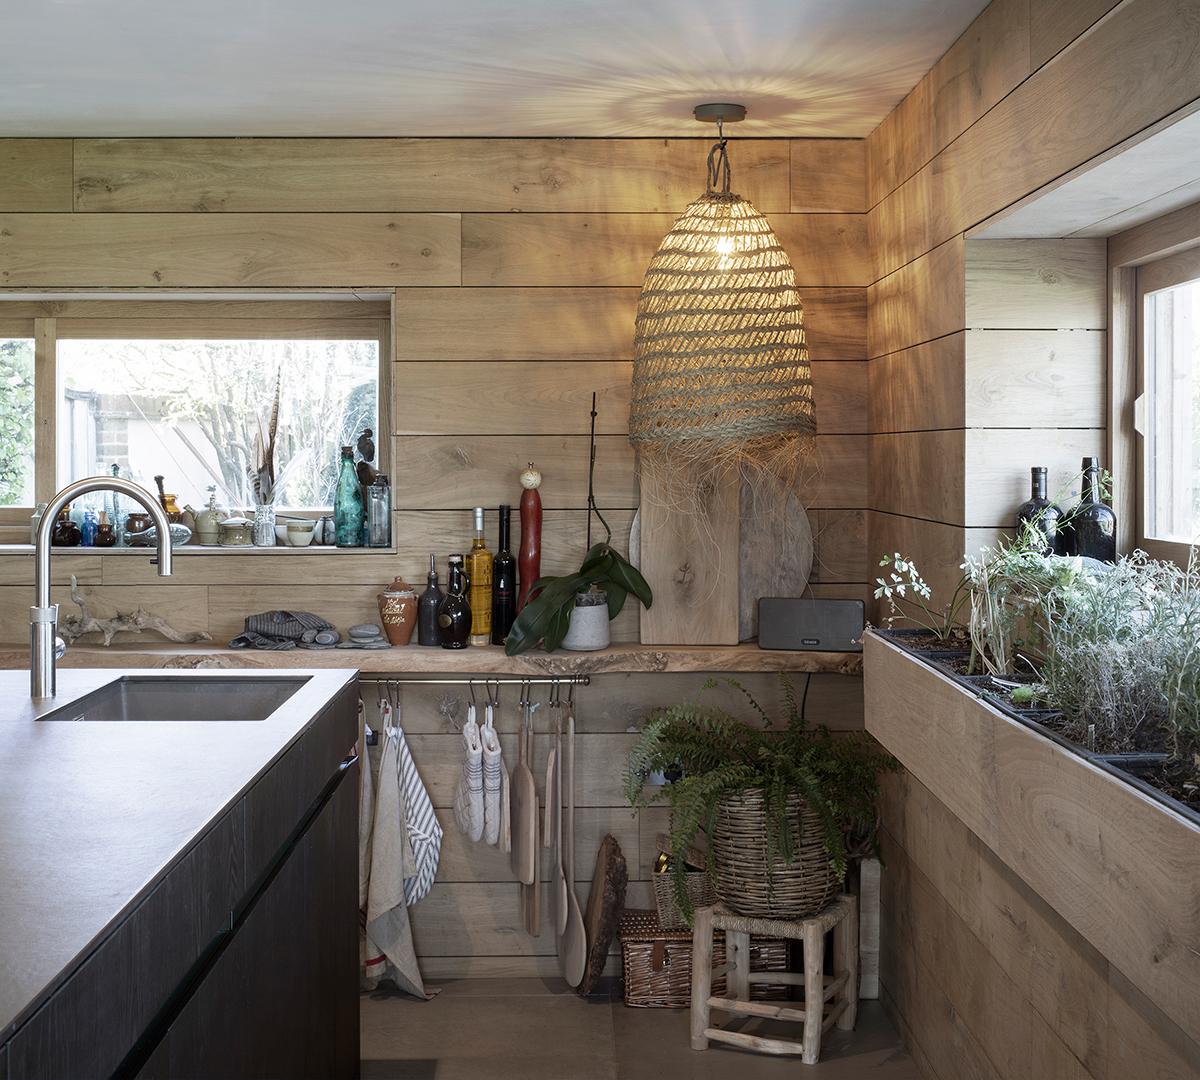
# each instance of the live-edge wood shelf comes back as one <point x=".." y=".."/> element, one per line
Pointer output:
<point x="486" y="660"/>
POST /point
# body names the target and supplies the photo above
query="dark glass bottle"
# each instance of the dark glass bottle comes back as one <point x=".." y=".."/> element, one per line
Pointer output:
<point x="106" y="536"/>
<point x="454" y="616"/>
<point x="428" y="607"/>
<point x="1093" y="525"/>
<point x="65" y="532"/>
<point x="1040" y="512"/>
<point x="504" y="583"/>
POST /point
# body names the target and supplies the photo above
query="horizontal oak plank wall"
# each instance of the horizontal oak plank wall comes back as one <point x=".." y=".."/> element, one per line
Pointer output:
<point x="972" y="957"/>
<point x="998" y="353"/>
<point x="1072" y="833"/>
<point x="470" y="924"/>
<point x="504" y="323"/>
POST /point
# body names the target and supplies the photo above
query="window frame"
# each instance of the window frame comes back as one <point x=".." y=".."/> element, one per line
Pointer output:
<point x="1147" y="257"/>
<point x="93" y="318"/>
<point x="1151" y="277"/>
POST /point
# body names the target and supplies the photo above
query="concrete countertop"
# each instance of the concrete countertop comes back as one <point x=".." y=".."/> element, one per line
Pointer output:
<point x="94" y="814"/>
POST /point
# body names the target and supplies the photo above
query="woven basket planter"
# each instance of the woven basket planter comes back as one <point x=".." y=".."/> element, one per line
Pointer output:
<point x="701" y="892"/>
<point x="748" y="882"/>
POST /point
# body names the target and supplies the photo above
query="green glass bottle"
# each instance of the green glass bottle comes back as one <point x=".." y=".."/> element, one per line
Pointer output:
<point x="347" y="504"/>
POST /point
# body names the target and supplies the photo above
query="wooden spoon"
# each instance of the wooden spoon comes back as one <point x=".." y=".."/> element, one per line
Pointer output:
<point x="574" y="941"/>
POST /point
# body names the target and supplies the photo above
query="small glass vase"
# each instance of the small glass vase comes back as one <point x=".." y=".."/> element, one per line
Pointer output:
<point x="264" y="525"/>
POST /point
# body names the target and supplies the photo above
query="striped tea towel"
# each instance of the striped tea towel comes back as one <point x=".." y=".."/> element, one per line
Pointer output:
<point x="424" y="831"/>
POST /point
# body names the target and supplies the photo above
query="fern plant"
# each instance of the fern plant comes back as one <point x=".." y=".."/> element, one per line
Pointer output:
<point x="837" y="776"/>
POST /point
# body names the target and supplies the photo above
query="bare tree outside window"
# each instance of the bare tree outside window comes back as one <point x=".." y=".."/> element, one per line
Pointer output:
<point x="16" y="421"/>
<point x="189" y="409"/>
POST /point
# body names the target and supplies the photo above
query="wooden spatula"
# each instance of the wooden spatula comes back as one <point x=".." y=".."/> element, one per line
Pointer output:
<point x="574" y="941"/>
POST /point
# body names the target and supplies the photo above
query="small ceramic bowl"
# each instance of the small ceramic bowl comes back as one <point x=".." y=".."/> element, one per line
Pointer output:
<point x="300" y="533"/>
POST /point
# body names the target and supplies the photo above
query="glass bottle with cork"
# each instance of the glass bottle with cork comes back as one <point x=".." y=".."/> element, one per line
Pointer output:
<point x="479" y="570"/>
<point x="347" y="503"/>
<point x="454" y="616"/>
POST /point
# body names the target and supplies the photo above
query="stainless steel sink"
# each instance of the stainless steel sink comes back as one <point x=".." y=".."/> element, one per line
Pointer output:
<point x="134" y="698"/>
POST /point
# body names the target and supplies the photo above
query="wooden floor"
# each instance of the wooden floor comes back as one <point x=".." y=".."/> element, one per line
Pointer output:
<point x="530" y="1029"/>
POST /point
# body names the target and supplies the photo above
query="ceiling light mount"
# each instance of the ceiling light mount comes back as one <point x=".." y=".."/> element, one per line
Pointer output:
<point x="720" y="112"/>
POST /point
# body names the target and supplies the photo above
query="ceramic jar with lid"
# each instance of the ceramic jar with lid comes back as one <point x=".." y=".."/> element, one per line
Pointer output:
<point x="398" y="611"/>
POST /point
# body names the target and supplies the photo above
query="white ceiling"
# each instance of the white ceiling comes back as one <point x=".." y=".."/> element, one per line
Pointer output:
<point x="462" y="67"/>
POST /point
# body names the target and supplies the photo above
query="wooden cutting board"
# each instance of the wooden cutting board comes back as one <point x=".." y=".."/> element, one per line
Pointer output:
<point x="691" y="566"/>
<point x="605" y="903"/>
<point x="775" y="556"/>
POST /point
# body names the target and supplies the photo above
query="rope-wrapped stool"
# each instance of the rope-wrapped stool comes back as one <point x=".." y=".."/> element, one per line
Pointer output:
<point x="828" y="999"/>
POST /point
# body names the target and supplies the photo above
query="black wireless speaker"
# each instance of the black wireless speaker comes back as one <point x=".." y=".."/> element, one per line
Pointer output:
<point x="787" y="622"/>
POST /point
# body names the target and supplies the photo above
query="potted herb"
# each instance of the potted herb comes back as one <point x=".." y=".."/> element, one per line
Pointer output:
<point x="601" y="585"/>
<point x="783" y="807"/>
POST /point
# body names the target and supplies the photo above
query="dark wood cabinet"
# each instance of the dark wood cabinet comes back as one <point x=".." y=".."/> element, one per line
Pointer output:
<point x="243" y="960"/>
<point x="282" y="999"/>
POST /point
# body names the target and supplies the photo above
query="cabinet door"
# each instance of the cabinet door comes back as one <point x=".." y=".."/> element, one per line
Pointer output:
<point x="89" y="1024"/>
<point x="282" y="999"/>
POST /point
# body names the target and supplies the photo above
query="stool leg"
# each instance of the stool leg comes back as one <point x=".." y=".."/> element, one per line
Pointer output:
<point x="737" y="953"/>
<point x="702" y="950"/>
<point x="845" y="954"/>
<point x="814" y="991"/>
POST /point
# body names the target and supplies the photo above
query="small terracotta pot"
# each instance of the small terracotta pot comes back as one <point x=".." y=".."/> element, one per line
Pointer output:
<point x="398" y="612"/>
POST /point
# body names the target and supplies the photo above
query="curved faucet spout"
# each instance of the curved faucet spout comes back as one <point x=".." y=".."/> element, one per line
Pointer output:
<point x="43" y="616"/>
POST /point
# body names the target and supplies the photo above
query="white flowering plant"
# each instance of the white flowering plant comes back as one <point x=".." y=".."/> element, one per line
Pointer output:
<point x="907" y="594"/>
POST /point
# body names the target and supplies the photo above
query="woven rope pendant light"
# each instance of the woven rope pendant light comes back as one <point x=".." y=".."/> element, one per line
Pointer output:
<point x="721" y="375"/>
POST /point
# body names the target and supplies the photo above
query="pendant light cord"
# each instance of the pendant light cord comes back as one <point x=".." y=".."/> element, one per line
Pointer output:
<point x="718" y="163"/>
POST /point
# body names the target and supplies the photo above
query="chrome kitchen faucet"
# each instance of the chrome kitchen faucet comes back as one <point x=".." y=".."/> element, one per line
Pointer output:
<point x="45" y="646"/>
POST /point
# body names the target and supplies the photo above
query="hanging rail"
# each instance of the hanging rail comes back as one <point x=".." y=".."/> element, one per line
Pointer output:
<point x="561" y="680"/>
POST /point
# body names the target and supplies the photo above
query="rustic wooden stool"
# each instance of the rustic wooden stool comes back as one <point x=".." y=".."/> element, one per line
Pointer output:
<point x="828" y="999"/>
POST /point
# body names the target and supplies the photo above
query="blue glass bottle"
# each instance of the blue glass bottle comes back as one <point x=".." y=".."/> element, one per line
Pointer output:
<point x="348" y="504"/>
<point x="88" y="529"/>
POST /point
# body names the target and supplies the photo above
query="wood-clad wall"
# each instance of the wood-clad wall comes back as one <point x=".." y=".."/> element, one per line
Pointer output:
<point x="516" y="265"/>
<point x="980" y="347"/>
<point x="987" y="981"/>
<point x="987" y="357"/>
<point x="469" y="925"/>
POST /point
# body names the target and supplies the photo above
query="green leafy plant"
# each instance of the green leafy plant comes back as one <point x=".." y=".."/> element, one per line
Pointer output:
<point x="547" y="616"/>
<point x="837" y="776"/>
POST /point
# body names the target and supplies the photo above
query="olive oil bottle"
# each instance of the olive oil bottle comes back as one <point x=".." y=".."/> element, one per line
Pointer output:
<point x="479" y="570"/>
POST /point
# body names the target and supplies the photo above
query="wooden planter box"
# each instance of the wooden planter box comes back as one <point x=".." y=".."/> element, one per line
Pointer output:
<point x="1120" y="867"/>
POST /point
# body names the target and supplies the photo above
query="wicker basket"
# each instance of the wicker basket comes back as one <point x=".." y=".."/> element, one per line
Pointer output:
<point x="700" y="890"/>
<point x="658" y="964"/>
<point x="748" y="882"/>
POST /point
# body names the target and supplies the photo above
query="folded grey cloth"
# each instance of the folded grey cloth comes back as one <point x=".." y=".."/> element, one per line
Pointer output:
<point x="279" y="630"/>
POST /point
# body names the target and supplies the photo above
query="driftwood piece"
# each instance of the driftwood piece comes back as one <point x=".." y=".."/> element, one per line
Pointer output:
<point x="605" y="904"/>
<point x="73" y="627"/>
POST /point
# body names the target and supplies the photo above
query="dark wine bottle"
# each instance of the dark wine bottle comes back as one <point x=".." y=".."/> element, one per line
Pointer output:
<point x="454" y="616"/>
<point x="428" y="606"/>
<point x="504" y="583"/>
<point x="1093" y="525"/>
<point x="1040" y="512"/>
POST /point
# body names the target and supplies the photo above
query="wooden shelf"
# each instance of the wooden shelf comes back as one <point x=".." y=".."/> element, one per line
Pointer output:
<point x="490" y="660"/>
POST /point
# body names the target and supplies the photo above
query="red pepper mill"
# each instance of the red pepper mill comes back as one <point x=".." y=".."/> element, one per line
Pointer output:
<point x="529" y="558"/>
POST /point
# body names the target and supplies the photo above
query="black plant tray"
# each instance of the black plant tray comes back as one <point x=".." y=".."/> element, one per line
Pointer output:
<point x="1124" y="767"/>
